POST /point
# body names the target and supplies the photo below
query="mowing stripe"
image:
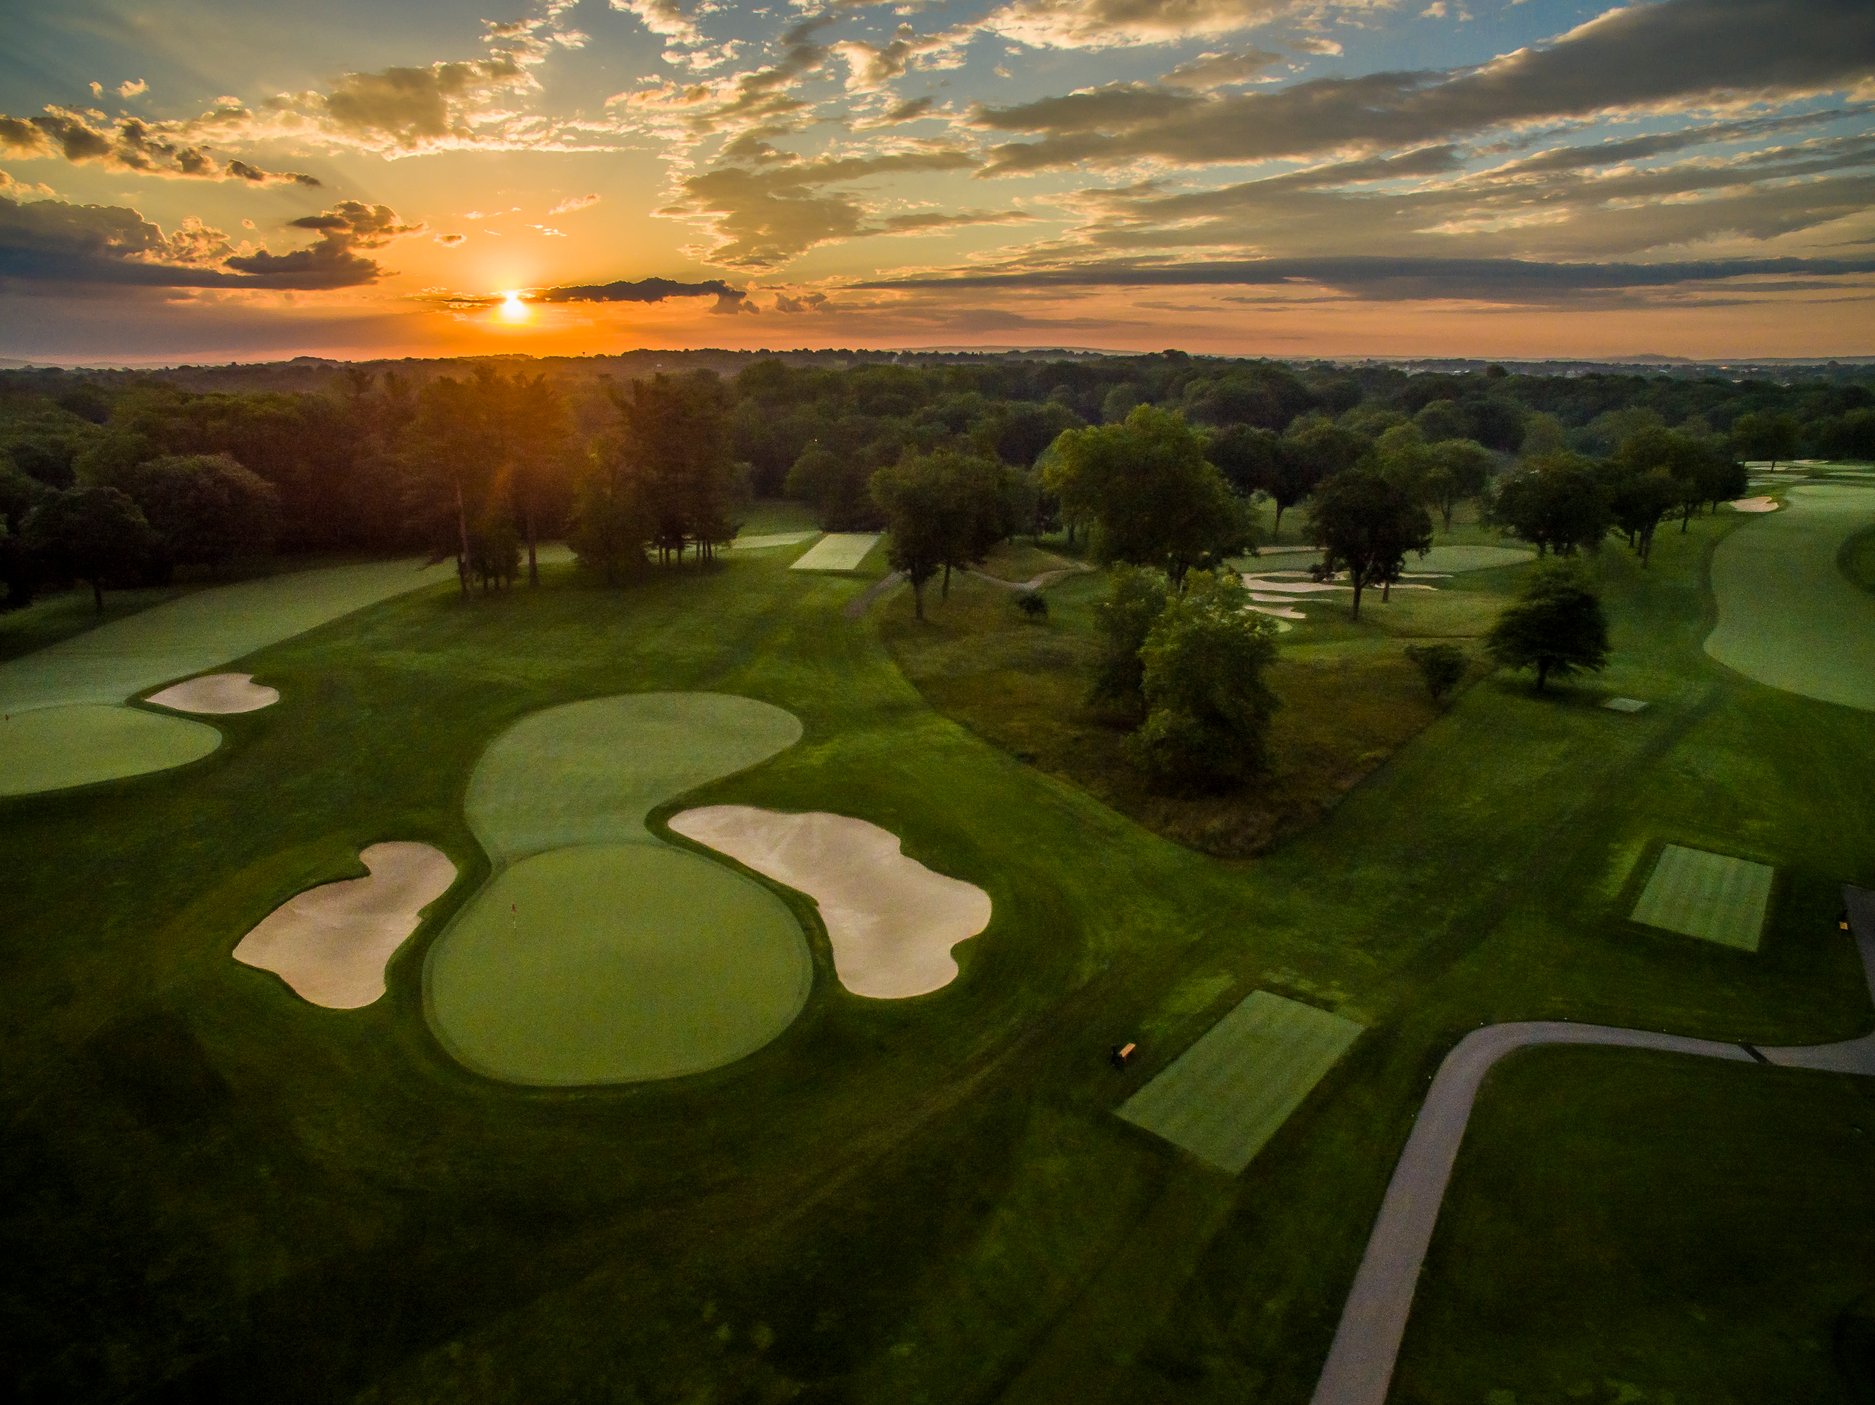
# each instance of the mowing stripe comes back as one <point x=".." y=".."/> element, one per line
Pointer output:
<point x="1711" y="896"/>
<point x="1226" y="1096"/>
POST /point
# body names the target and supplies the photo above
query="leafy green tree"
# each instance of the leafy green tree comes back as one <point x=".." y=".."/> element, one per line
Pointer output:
<point x="1366" y="525"/>
<point x="1554" y="503"/>
<point x="674" y="434"/>
<point x="610" y="523"/>
<point x="1313" y="449"/>
<point x="1246" y="456"/>
<point x="1460" y="469"/>
<point x="1761" y="434"/>
<point x="1153" y="498"/>
<point x="1638" y="501"/>
<point x="918" y="505"/>
<point x="206" y="509"/>
<point x="91" y="535"/>
<point x="1556" y="625"/>
<point x="1441" y="666"/>
<point x="835" y="486"/>
<point x="1208" y="705"/>
<point x="1135" y="597"/>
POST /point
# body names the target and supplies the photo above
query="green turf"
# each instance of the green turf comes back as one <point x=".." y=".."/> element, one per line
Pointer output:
<point x="1463" y="557"/>
<point x="838" y="551"/>
<point x="1787" y="615"/>
<point x="616" y="963"/>
<point x="1856" y="559"/>
<point x="1228" y="1094"/>
<point x="1631" y="1228"/>
<point x="922" y="1200"/>
<point x="52" y="748"/>
<point x="1714" y="897"/>
<point x="588" y="772"/>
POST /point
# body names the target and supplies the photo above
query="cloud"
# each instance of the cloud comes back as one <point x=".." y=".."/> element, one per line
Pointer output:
<point x="1104" y="24"/>
<point x="769" y="205"/>
<point x="129" y="144"/>
<point x="729" y="299"/>
<point x="449" y="241"/>
<point x="1390" y="278"/>
<point x="132" y="88"/>
<point x="738" y="103"/>
<point x="1664" y="56"/>
<point x="668" y="19"/>
<point x="574" y="202"/>
<point x="1223" y="70"/>
<point x="51" y="241"/>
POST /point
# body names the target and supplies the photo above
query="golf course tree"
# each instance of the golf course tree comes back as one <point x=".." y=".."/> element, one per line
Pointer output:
<point x="1202" y="670"/>
<point x="944" y="511"/>
<point x="1153" y="498"/>
<point x="1638" y="500"/>
<point x="1365" y="525"/>
<point x="1556" y="503"/>
<point x="1313" y="449"/>
<point x="1135" y="597"/>
<point x="1555" y="626"/>
<point x="528" y="416"/>
<point x="836" y="487"/>
<point x="1460" y="469"/>
<point x="19" y="494"/>
<point x="90" y="534"/>
<point x="1441" y="667"/>
<point x="1246" y="455"/>
<point x="1763" y="434"/>
<point x="205" y="509"/>
<point x="610" y="523"/>
<point x="674" y="436"/>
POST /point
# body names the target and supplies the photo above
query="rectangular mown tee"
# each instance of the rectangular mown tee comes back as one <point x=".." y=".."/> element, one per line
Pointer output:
<point x="1714" y="897"/>
<point x="1225" y="1096"/>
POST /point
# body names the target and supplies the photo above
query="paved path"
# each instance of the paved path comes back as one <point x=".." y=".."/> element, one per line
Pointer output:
<point x="1367" y="1342"/>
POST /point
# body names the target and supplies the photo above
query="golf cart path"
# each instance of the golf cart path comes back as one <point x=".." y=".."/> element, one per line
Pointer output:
<point x="1360" y="1363"/>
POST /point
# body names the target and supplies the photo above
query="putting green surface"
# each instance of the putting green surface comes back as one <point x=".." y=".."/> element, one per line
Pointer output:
<point x="53" y="748"/>
<point x="587" y="772"/>
<point x="615" y="963"/>
<point x="837" y="551"/>
<point x="1788" y="617"/>
<point x="1711" y="896"/>
<point x="1226" y="1096"/>
<point x="1468" y="558"/>
<point x="599" y="953"/>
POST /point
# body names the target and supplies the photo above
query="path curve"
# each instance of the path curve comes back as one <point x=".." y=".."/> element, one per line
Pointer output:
<point x="1360" y="1363"/>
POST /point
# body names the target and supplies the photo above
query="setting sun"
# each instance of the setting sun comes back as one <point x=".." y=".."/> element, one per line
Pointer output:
<point x="514" y="308"/>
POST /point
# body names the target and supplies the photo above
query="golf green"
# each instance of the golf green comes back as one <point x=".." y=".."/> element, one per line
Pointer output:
<point x="615" y="963"/>
<point x="52" y="748"/>
<point x="599" y="953"/>
<point x="1788" y="617"/>
<point x="587" y="772"/>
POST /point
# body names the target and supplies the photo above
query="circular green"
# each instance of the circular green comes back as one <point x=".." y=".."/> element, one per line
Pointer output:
<point x="55" y="748"/>
<point x="614" y="964"/>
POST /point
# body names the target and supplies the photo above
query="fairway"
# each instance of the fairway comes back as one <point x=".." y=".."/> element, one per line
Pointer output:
<point x="1711" y="896"/>
<point x="1226" y="1096"/>
<point x="56" y="747"/>
<point x="837" y="551"/>
<point x="1458" y="558"/>
<point x="587" y="772"/>
<point x="78" y="681"/>
<point x="616" y="963"/>
<point x="1787" y="616"/>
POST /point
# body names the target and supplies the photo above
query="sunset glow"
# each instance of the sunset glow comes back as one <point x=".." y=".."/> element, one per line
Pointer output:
<point x="1551" y="177"/>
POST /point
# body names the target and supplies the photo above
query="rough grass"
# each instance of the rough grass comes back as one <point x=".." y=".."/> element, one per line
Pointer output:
<point x="1856" y="560"/>
<point x="1020" y="560"/>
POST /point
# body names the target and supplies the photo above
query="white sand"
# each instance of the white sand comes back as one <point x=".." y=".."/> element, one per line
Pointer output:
<point x="332" y="943"/>
<point x="1754" y="504"/>
<point x="216" y="693"/>
<point x="837" y="551"/>
<point x="1291" y="587"/>
<point x="891" y="920"/>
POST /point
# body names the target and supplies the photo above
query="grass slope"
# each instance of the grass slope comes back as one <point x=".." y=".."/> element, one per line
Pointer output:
<point x="909" y="1200"/>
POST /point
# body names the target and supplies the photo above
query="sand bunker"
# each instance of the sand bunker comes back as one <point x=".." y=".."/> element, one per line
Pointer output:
<point x="1754" y="504"/>
<point x="837" y="551"/>
<point x="892" y="921"/>
<point x="332" y="943"/>
<point x="216" y="693"/>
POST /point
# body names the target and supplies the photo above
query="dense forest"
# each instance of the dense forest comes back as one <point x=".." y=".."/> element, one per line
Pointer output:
<point x="119" y="477"/>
